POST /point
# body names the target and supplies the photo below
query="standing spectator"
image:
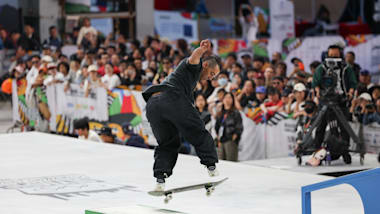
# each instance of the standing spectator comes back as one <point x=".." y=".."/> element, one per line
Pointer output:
<point x="248" y="22"/>
<point x="229" y="127"/>
<point x="297" y="100"/>
<point x="201" y="106"/>
<point x="223" y="83"/>
<point x="280" y="69"/>
<point x="350" y="60"/>
<point x="278" y="82"/>
<point x="129" y="77"/>
<point x="273" y="104"/>
<point x="276" y="58"/>
<point x="53" y="38"/>
<point x="246" y="58"/>
<point x="86" y="28"/>
<point x="258" y="63"/>
<point x="53" y="75"/>
<point x="93" y="81"/>
<point x="230" y="61"/>
<point x="374" y="91"/>
<point x="204" y="87"/>
<point x="110" y="79"/>
<point x="29" y="40"/>
<point x="14" y="41"/>
<point x="314" y="65"/>
<point x="246" y="96"/>
<point x="83" y="130"/>
<point x="269" y="74"/>
<point x="365" y="78"/>
<point x="260" y="97"/>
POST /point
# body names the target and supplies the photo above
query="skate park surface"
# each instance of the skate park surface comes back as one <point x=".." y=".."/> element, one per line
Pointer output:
<point x="43" y="173"/>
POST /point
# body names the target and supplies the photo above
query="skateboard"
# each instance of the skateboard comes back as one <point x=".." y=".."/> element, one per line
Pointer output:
<point x="209" y="186"/>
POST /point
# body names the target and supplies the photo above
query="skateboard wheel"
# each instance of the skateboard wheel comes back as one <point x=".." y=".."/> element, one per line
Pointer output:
<point x="168" y="198"/>
<point x="208" y="192"/>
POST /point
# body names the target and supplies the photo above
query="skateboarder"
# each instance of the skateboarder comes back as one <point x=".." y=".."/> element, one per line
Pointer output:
<point x="170" y="112"/>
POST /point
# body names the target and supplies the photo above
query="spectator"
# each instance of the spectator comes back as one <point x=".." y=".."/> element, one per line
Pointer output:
<point x="372" y="113"/>
<point x="259" y="79"/>
<point x="273" y="104"/>
<point x="82" y="128"/>
<point x="82" y="75"/>
<point x="53" y="38"/>
<point x="29" y="40"/>
<point x="204" y="87"/>
<point x="313" y="66"/>
<point x="280" y="69"/>
<point x="223" y="82"/>
<point x="14" y="41"/>
<point x="269" y="74"/>
<point x="237" y="82"/>
<point x="229" y="127"/>
<point x="110" y="79"/>
<point x="236" y="69"/>
<point x="278" y="82"/>
<point x="53" y="75"/>
<point x="276" y="58"/>
<point x="132" y="139"/>
<point x="104" y="59"/>
<point x="229" y="62"/>
<point x="350" y="60"/>
<point x="248" y="22"/>
<point x="167" y="65"/>
<point x="215" y="106"/>
<point x="260" y="97"/>
<point x="93" y="81"/>
<point x="365" y="78"/>
<point x="106" y="135"/>
<point x="86" y="29"/>
<point x="374" y="91"/>
<point x="247" y="95"/>
<point x="246" y="58"/>
<point x="258" y="63"/>
<point x="359" y="105"/>
<point x="297" y="100"/>
<point x="129" y="77"/>
<point x="201" y="106"/>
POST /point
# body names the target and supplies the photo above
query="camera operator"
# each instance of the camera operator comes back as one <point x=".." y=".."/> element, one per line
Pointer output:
<point x="333" y="81"/>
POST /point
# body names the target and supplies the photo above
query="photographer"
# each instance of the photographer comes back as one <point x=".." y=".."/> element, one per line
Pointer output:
<point x="334" y="81"/>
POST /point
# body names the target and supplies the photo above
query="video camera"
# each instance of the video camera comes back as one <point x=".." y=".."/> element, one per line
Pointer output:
<point x="332" y="68"/>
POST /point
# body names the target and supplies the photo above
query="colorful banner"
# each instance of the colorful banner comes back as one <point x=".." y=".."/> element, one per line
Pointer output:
<point x="176" y="25"/>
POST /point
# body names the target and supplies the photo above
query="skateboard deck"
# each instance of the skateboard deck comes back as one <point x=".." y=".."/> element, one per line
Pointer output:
<point x="209" y="186"/>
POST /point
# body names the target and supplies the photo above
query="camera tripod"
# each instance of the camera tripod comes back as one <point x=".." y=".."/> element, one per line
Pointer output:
<point x="307" y="140"/>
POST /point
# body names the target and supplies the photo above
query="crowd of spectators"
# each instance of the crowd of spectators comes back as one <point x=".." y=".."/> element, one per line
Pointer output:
<point x="244" y="83"/>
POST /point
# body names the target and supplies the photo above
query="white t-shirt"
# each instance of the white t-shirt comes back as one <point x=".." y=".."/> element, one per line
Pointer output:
<point x="111" y="81"/>
<point x="30" y="78"/>
<point x="58" y="76"/>
<point x="93" y="136"/>
<point x="83" y="31"/>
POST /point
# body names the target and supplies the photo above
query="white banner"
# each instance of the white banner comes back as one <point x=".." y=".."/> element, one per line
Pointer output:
<point x="74" y="104"/>
<point x="175" y="25"/>
<point x="281" y="19"/>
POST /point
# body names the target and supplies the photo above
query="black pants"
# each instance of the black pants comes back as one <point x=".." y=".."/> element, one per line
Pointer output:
<point x="328" y="117"/>
<point x="169" y="114"/>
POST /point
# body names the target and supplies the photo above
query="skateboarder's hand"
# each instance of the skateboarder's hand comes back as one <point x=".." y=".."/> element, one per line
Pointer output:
<point x="205" y="44"/>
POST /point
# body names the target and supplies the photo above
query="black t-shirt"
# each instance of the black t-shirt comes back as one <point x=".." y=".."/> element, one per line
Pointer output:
<point x="247" y="99"/>
<point x="184" y="79"/>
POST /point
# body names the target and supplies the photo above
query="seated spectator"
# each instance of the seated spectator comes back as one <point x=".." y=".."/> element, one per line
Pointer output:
<point x="86" y="29"/>
<point x="29" y="40"/>
<point x="132" y="139"/>
<point x="110" y="79"/>
<point x="269" y="74"/>
<point x="259" y="79"/>
<point x="82" y="128"/>
<point x="251" y="73"/>
<point x="53" y="75"/>
<point x="236" y="69"/>
<point x="246" y="96"/>
<point x="81" y="76"/>
<point x="229" y="127"/>
<point x="273" y="104"/>
<point x="229" y="62"/>
<point x="276" y="58"/>
<point x="148" y="78"/>
<point x="285" y="99"/>
<point x="167" y="66"/>
<point x="53" y="38"/>
<point x="258" y="63"/>
<point x="129" y="77"/>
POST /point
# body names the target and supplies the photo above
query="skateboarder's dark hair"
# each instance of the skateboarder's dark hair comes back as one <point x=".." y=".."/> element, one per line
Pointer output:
<point x="213" y="60"/>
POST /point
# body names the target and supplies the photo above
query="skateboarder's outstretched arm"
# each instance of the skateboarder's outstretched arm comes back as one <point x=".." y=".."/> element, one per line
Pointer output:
<point x="195" y="57"/>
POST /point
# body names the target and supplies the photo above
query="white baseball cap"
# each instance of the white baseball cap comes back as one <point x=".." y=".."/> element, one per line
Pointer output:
<point x="92" y="68"/>
<point x="299" y="87"/>
<point x="365" y="96"/>
<point x="47" y="59"/>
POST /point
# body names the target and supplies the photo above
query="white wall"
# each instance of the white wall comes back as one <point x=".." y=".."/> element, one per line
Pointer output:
<point x="144" y="18"/>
